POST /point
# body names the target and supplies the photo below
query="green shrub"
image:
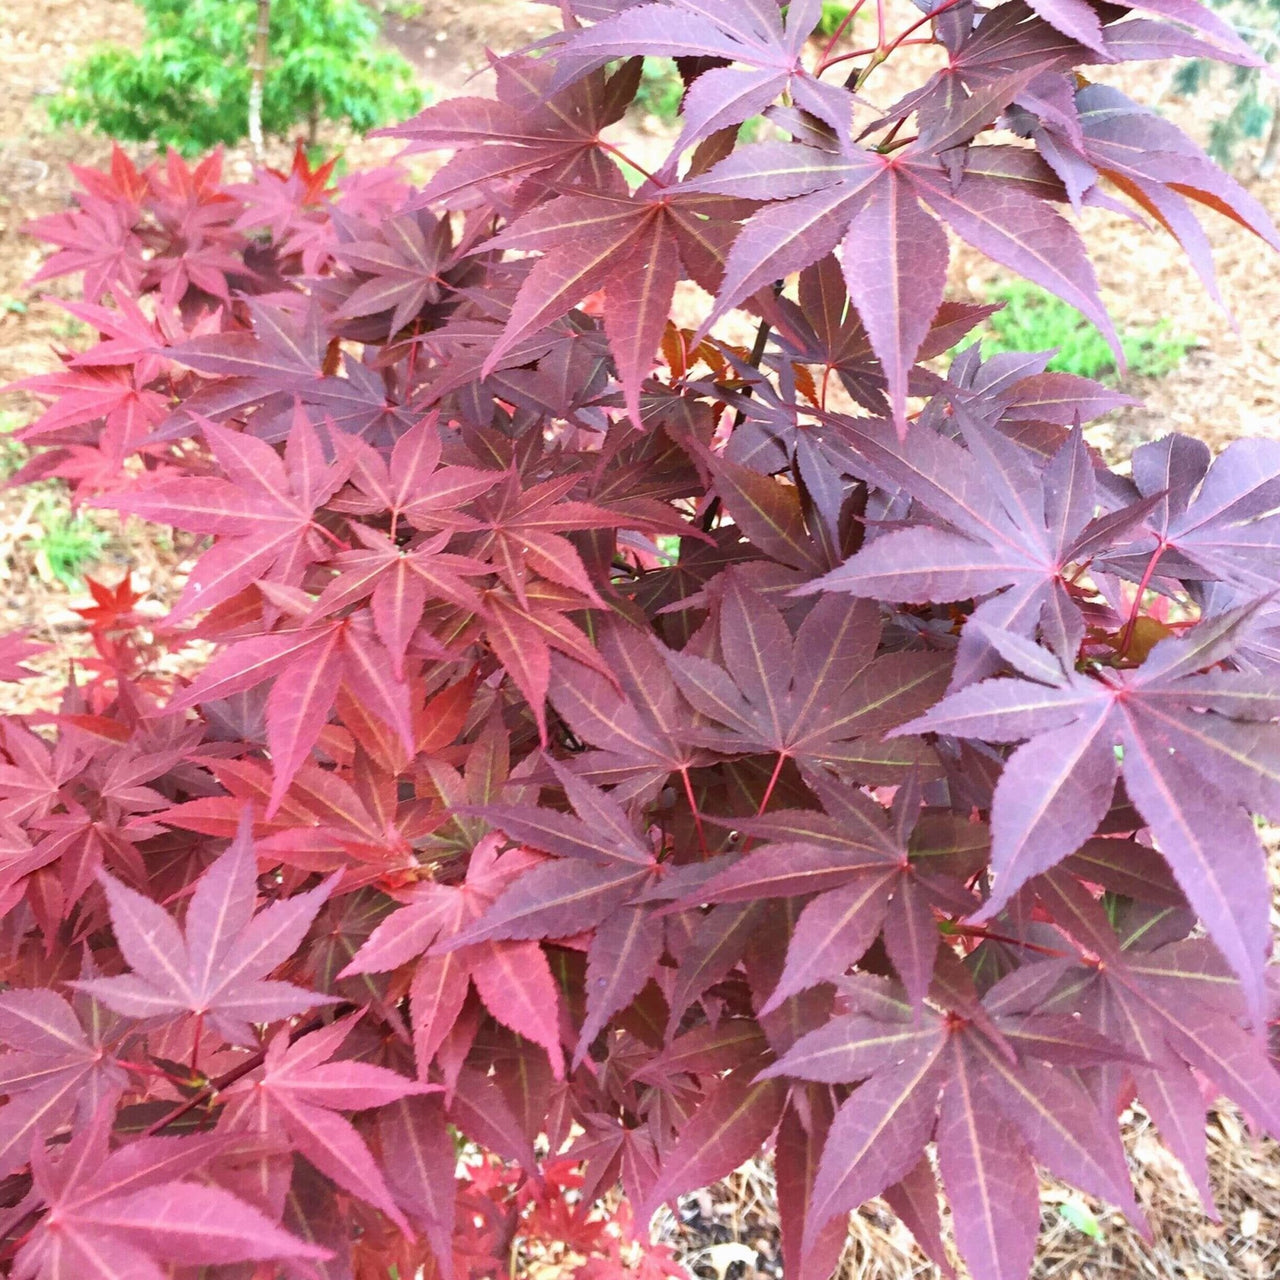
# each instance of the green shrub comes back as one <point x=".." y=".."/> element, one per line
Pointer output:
<point x="832" y="16"/>
<point x="1033" y="320"/>
<point x="188" y="87"/>
<point x="1252" y="114"/>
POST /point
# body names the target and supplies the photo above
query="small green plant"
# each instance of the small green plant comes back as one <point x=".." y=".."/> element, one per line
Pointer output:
<point x="1033" y="320"/>
<point x="12" y="452"/>
<point x="188" y="87"/>
<point x="661" y="89"/>
<point x="403" y="9"/>
<point x="63" y="542"/>
<point x="68" y="544"/>
<point x="832" y="16"/>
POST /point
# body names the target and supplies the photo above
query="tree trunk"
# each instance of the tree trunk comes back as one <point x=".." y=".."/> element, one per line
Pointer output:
<point x="258" y="74"/>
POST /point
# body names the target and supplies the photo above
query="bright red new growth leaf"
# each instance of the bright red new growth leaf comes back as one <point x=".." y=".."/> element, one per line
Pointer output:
<point x="618" y="743"/>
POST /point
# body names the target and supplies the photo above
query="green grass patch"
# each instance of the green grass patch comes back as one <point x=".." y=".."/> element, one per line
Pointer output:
<point x="1034" y="320"/>
<point x="69" y="544"/>
<point x="64" y="543"/>
<point x="832" y="16"/>
<point x="13" y="453"/>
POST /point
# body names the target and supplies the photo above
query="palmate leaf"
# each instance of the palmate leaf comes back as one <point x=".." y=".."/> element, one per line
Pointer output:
<point x="812" y="698"/>
<point x="1156" y="164"/>
<point x="325" y="822"/>
<point x="633" y="246"/>
<point x="54" y="1068"/>
<point x="522" y="532"/>
<point x="216" y="967"/>
<point x="309" y="666"/>
<point x="853" y="864"/>
<point x="529" y="134"/>
<point x="302" y="1091"/>
<point x="85" y="800"/>
<point x="282" y="356"/>
<point x="729" y="1127"/>
<point x="766" y="58"/>
<point x="640" y="727"/>
<point x="420" y="1176"/>
<point x="1218" y="522"/>
<point x="411" y="484"/>
<point x="1052" y="36"/>
<point x="879" y="205"/>
<point x="1199" y="752"/>
<point x="1156" y="997"/>
<point x="402" y="262"/>
<point x="524" y="635"/>
<point x="823" y="329"/>
<point x="1012" y="528"/>
<point x="129" y="411"/>
<point x="601" y="865"/>
<point x="264" y="511"/>
<point x="512" y="977"/>
<point x="399" y="580"/>
<point x="128" y="1214"/>
<point x="978" y="1074"/>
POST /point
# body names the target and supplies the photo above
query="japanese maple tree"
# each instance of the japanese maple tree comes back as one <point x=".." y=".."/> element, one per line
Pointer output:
<point x="618" y="734"/>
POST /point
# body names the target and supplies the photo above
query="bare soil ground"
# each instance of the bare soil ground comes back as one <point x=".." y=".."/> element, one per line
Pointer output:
<point x="1227" y="387"/>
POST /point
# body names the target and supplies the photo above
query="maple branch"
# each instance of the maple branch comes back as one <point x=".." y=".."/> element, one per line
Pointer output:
<point x="1074" y="580"/>
<point x="753" y="359"/>
<point x="1126" y="636"/>
<point x="773" y="782"/>
<point x="823" y="64"/>
<point x="12" y="1248"/>
<point x="919" y="22"/>
<point x="862" y="53"/>
<point x="626" y="159"/>
<point x="768" y="795"/>
<point x="227" y="1079"/>
<point x="693" y="807"/>
<point x="884" y="50"/>
<point x="146" y="1069"/>
<point x="328" y="533"/>
<point x="984" y="934"/>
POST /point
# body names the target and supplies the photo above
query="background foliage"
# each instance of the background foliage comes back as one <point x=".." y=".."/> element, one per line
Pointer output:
<point x="1253" y="113"/>
<point x="188" y="86"/>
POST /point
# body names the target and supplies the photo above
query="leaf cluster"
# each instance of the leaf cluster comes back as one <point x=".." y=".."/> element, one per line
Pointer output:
<point x="596" y="742"/>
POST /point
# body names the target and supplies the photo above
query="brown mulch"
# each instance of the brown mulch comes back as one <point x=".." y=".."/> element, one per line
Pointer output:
<point x="1227" y="387"/>
<point x="732" y="1227"/>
